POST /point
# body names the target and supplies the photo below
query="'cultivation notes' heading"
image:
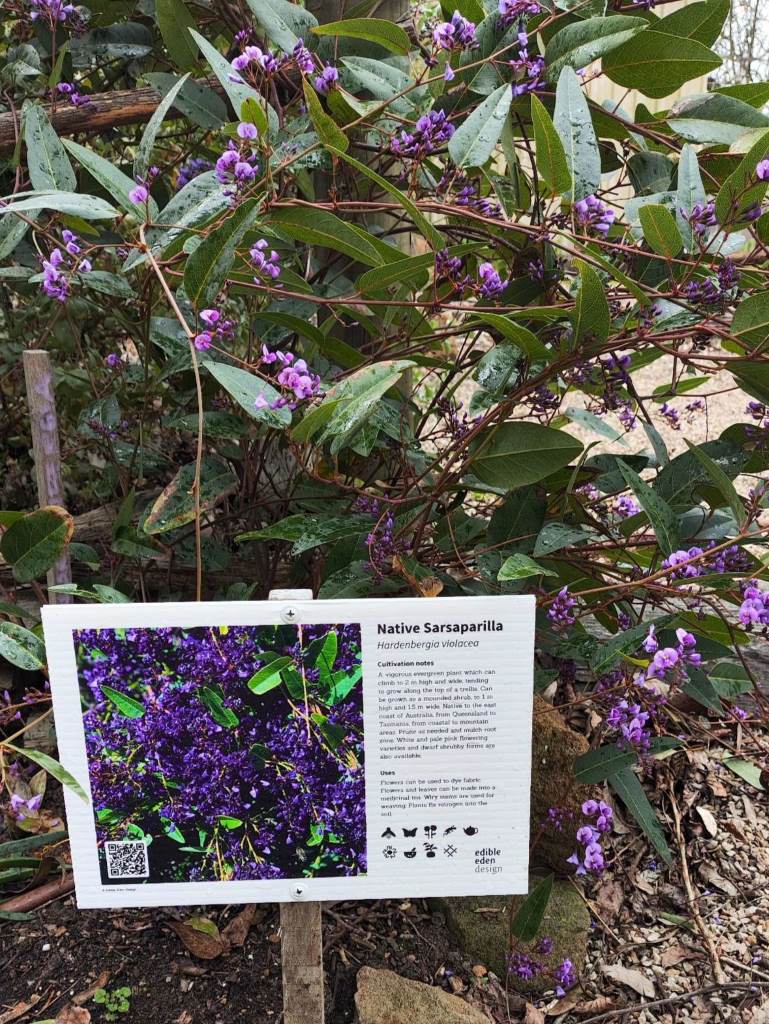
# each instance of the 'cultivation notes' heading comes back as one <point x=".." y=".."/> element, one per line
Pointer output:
<point x="236" y="752"/>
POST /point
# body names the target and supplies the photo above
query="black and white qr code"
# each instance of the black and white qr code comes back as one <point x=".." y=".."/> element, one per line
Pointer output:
<point x="127" y="859"/>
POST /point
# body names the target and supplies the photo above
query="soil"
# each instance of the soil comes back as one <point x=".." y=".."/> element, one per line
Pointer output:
<point x="56" y="958"/>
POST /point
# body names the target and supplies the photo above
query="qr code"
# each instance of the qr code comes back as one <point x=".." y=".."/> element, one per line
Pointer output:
<point x="127" y="859"/>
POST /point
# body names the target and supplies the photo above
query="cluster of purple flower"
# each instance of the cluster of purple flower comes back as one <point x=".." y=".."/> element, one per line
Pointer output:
<point x="631" y="722"/>
<point x="626" y="506"/>
<point x="216" y="329"/>
<point x="682" y="566"/>
<point x="491" y="284"/>
<point x="670" y="659"/>
<point x="762" y="170"/>
<point x="431" y="131"/>
<point x="266" y="264"/>
<point x="702" y="217"/>
<point x="451" y="268"/>
<point x="140" y="193"/>
<point x="458" y="427"/>
<point x="591" y="858"/>
<point x="561" y="611"/>
<point x="529" y="70"/>
<point x="710" y="291"/>
<point x="526" y="967"/>
<point x="59" y="267"/>
<point x="468" y="196"/>
<point x="513" y="10"/>
<point x="294" y="375"/>
<point x="55" y="13"/>
<point x="327" y="80"/>
<point x="256" y="60"/>
<point x="191" y="169"/>
<point x="457" y="34"/>
<point x="593" y="215"/>
<point x="384" y="545"/>
<point x="228" y="783"/>
<point x="754" y="610"/>
<point x="237" y="166"/>
<point x="74" y="97"/>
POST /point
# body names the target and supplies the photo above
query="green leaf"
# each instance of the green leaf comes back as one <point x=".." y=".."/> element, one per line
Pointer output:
<point x="597" y="765"/>
<point x="730" y="680"/>
<point x="329" y="132"/>
<point x="575" y="127"/>
<point x="375" y="30"/>
<point x="126" y="705"/>
<point x="751" y="773"/>
<point x="721" y="482"/>
<point x="284" y="23"/>
<point x="226" y="821"/>
<point x="33" y="544"/>
<point x="660" y="230"/>
<point x="700" y="21"/>
<point x="433" y="236"/>
<point x="73" y="203"/>
<point x="556" y="536"/>
<point x="521" y="337"/>
<point x="327" y="654"/>
<point x="582" y="42"/>
<point x="110" y="178"/>
<point x="320" y="227"/>
<point x="207" y="267"/>
<point x="215" y="706"/>
<point x="690" y="192"/>
<point x="246" y="388"/>
<point x="21" y="647"/>
<point x="735" y="194"/>
<point x="605" y="656"/>
<point x="514" y="454"/>
<point x="750" y="322"/>
<point x="382" y="80"/>
<point x="700" y="688"/>
<point x="519" y="567"/>
<point x="591" y="318"/>
<point x="550" y="154"/>
<point x="143" y="157"/>
<point x="175" y="506"/>
<point x="714" y="119"/>
<point x="526" y="922"/>
<point x="52" y="766"/>
<point x="175" y="21"/>
<point x="658" y="64"/>
<point x="268" y="677"/>
<point x="237" y="92"/>
<point x="309" y="532"/>
<point x="47" y="161"/>
<point x="631" y="793"/>
<point x="658" y="511"/>
<point x="475" y="139"/>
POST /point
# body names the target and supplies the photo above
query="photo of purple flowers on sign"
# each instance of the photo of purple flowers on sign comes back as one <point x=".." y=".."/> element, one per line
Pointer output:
<point x="225" y="752"/>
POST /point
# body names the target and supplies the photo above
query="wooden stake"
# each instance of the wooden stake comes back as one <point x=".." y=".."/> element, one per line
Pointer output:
<point x="38" y="375"/>
<point x="301" y="937"/>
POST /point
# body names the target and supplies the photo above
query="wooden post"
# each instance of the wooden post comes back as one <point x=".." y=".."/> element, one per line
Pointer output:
<point x="38" y="375"/>
<point x="301" y="937"/>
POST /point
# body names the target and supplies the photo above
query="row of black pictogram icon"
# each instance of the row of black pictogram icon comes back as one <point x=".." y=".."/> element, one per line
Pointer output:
<point x="429" y="830"/>
<point x="430" y="850"/>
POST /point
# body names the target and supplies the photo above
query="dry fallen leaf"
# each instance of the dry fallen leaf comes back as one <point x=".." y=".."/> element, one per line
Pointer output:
<point x="675" y="955"/>
<point x="533" y="1015"/>
<point x="708" y="820"/>
<point x="601" y="1004"/>
<point x="750" y="810"/>
<point x="633" y="979"/>
<point x="18" y="1010"/>
<point x="207" y="944"/>
<point x="87" y="993"/>
<point x="609" y="899"/>
<point x="73" y="1015"/>
<point x="712" y="877"/>
<point x="236" y="931"/>
<point x="564" y="1004"/>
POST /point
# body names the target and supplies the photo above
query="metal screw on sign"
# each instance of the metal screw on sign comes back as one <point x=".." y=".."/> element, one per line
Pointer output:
<point x="301" y="937"/>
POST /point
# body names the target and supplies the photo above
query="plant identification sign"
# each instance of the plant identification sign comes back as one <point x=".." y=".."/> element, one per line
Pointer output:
<point x="237" y="752"/>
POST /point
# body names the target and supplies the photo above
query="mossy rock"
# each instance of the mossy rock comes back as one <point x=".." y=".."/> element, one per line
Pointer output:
<point x="480" y="925"/>
<point x="554" y="749"/>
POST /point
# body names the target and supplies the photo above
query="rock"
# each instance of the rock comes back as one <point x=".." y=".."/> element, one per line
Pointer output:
<point x="481" y="927"/>
<point x="383" y="997"/>
<point x="554" y="749"/>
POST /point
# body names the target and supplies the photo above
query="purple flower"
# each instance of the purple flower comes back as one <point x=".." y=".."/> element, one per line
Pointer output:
<point x="754" y="610"/>
<point x="303" y="58"/>
<point x="237" y="166"/>
<point x="139" y="195"/>
<point x="762" y="170"/>
<point x="523" y="966"/>
<point x="326" y="80"/>
<point x="560" y="611"/>
<point x="626" y="506"/>
<point x="491" y="284"/>
<point x="191" y="169"/>
<point x="25" y="807"/>
<point x="702" y="217"/>
<point x="565" y="974"/>
<point x="457" y="34"/>
<point x="431" y="131"/>
<point x="246" y="130"/>
<point x="266" y="265"/>
<point x="594" y="215"/>
<point x="511" y="10"/>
